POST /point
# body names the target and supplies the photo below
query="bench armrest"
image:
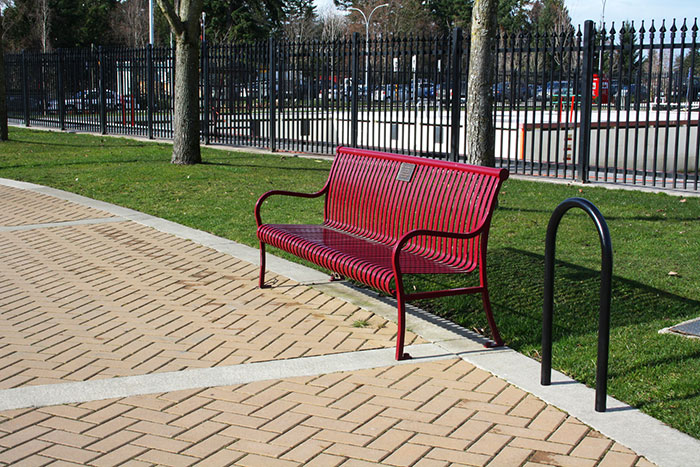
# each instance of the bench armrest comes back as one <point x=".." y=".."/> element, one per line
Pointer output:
<point x="264" y="196"/>
<point x="429" y="233"/>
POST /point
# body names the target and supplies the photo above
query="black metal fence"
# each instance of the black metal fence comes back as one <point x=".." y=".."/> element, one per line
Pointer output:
<point x="618" y="106"/>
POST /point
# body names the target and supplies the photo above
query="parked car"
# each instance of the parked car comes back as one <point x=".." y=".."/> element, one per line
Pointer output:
<point x="445" y="93"/>
<point x="392" y="93"/>
<point x="361" y="91"/>
<point x="15" y="102"/>
<point x="554" y="90"/>
<point x="87" y="101"/>
<point x="680" y="91"/>
<point x="501" y="91"/>
<point x="330" y="93"/>
<point x="630" y="91"/>
<point x="526" y="91"/>
<point x="425" y="89"/>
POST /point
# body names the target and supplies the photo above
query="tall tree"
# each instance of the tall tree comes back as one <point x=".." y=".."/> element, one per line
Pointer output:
<point x="551" y="18"/>
<point x="513" y="15"/>
<point x="242" y="20"/>
<point x="299" y="19"/>
<point x="405" y="17"/>
<point x="185" y="26"/>
<point x="333" y="25"/>
<point x="130" y="24"/>
<point x="685" y="63"/>
<point x="343" y="4"/>
<point x="450" y="14"/>
<point x="628" y="59"/>
<point x="23" y="25"/>
<point x="480" y="132"/>
<point x="78" y="23"/>
<point x="42" y="23"/>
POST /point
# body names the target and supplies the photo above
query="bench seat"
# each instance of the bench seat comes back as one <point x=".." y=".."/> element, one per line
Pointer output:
<point x="349" y="255"/>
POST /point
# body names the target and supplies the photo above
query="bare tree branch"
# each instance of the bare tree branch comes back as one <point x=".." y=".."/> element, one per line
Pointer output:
<point x="171" y="16"/>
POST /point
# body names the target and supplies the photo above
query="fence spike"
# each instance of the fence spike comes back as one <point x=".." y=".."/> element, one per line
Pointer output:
<point x="684" y="28"/>
<point x="652" y="29"/>
<point x="624" y="29"/>
<point x="673" y="28"/>
<point x="641" y="29"/>
<point x="662" y="29"/>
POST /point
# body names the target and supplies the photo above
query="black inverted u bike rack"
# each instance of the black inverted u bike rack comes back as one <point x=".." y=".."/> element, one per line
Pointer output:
<point x="605" y="286"/>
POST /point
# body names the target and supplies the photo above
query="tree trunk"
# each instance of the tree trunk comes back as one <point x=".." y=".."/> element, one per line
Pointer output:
<point x="184" y="24"/>
<point x="3" y="100"/>
<point x="186" y="112"/>
<point x="480" y="131"/>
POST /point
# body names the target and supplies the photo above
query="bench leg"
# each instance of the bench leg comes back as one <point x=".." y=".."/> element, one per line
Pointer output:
<point x="261" y="281"/>
<point x="498" y="342"/>
<point x="401" y="323"/>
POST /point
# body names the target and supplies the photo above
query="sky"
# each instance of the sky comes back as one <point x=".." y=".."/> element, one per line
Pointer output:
<point x="621" y="10"/>
<point x="633" y="10"/>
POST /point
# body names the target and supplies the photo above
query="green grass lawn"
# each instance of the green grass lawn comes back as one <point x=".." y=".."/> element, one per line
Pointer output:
<point x="652" y="235"/>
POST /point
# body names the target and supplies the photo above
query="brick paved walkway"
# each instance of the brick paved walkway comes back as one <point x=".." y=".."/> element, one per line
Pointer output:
<point x="88" y="296"/>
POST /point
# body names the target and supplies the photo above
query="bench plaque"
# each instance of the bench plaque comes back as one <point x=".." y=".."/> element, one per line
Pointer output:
<point x="405" y="172"/>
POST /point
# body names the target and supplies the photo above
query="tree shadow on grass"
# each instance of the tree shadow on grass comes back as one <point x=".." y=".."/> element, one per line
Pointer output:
<point x="74" y="163"/>
<point x="266" y="167"/>
<point x="516" y="284"/>
<point x="649" y="218"/>
<point x="88" y="144"/>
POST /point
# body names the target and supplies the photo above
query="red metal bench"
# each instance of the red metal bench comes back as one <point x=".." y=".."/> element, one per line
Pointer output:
<point x="387" y="215"/>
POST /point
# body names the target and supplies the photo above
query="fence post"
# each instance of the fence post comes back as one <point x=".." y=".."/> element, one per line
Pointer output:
<point x="149" y="88"/>
<point x="25" y="89"/>
<point x="456" y="98"/>
<point x="272" y="94"/>
<point x="103" y="103"/>
<point x="207" y="91"/>
<point x="61" y="93"/>
<point x="584" y="148"/>
<point x="353" y="89"/>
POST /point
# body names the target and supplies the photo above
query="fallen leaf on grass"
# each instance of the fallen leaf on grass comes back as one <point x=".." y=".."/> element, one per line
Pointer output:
<point x="673" y="273"/>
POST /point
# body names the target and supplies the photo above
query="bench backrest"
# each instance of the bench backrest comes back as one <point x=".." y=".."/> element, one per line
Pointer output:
<point x="382" y="196"/>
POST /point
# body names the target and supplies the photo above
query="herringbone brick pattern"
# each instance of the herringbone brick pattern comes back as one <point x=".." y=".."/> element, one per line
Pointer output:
<point x="119" y="299"/>
<point x="22" y="207"/>
<point x="430" y="414"/>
